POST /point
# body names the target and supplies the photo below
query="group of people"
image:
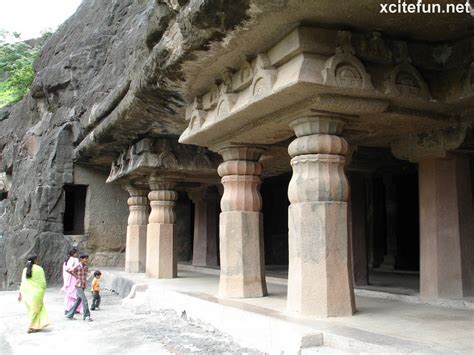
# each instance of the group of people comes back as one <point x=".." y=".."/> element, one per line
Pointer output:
<point x="75" y="272"/>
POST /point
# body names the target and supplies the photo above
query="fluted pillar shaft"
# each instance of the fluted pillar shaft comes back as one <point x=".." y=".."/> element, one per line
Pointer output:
<point x="135" y="251"/>
<point x="161" y="251"/>
<point x="241" y="224"/>
<point x="319" y="278"/>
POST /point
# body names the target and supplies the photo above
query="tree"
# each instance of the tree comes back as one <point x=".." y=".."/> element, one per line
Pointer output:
<point x="16" y="68"/>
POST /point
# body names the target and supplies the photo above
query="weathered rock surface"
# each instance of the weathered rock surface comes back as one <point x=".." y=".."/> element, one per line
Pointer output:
<point x="108" y="60"/>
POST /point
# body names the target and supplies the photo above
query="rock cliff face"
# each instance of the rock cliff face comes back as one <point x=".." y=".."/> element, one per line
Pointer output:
<point x="110" y="59"/>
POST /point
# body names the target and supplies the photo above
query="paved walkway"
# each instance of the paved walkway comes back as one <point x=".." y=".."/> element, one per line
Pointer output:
<point x="405" y="326"/>
<point x="114" y="331"/>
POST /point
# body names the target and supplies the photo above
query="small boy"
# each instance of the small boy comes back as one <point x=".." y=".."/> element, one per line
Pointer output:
<point x="96" y="290"/>
<point x="80" y="273"/>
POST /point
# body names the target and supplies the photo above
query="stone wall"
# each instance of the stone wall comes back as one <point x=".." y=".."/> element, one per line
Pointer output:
<point x="106" y="213"/>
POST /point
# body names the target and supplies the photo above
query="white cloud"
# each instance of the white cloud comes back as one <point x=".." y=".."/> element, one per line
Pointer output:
<point x="30" y="17"/>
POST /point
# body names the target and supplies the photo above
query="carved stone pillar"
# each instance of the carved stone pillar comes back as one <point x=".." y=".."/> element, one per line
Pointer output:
<point x="446" y="228"/>
<point x="205" y="226"/>
<point x="161" y="252"/>
<point x="241" y="224"/>
<point x="319" y="277"/>
<point x="135" y="251"/>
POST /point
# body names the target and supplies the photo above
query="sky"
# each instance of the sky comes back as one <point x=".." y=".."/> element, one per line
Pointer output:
<point x="30" y="17"/>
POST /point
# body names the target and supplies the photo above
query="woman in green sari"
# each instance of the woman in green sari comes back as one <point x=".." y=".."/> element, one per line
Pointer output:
<point x="32" y="290"/>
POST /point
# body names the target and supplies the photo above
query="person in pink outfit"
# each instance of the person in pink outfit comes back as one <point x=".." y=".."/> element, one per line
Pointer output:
<point x="69" y="281"/>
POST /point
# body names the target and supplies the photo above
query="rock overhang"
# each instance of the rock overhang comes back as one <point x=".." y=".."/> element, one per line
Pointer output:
<point x="266" y="23"/>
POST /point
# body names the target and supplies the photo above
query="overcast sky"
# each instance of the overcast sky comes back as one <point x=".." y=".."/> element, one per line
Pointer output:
<point x="30" y="17"/>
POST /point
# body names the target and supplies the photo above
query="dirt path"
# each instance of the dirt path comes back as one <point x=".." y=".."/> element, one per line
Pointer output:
<point x="113" y="331"/>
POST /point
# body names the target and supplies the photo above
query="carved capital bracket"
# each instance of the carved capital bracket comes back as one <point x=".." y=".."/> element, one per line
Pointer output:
<point x="433" y="144"/>
<point x="166" y="157"/>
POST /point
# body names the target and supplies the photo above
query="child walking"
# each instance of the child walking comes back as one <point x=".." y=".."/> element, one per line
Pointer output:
<point x="80" y="273"/>
<point x="96" y="290"/>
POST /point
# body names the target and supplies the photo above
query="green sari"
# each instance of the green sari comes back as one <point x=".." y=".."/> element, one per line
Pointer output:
<point x="32" y="292"/>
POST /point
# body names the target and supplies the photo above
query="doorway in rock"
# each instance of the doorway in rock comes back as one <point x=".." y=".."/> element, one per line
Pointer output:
<point x="384" y="221"/>
<point x="75" y="208"/>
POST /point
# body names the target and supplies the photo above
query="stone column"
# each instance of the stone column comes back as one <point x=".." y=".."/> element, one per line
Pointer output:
<point x="205" y="226"/>
<point x="446" y="228"/>
<point x="391" y="251"/>
<point x="161" y="252"/>
<point x="241" y="224"/>
<point x="319" y="276"/>
<point x="135" y="251"/>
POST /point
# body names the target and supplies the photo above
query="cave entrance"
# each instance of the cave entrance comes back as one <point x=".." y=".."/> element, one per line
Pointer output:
<point x="75" y="209"/>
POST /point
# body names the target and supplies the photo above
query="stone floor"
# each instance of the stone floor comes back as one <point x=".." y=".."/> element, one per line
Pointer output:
<point x="113" y="331"/>
<point x="425" y="328"/>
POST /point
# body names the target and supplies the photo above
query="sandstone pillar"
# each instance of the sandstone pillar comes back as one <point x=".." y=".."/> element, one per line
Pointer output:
<point x="446" y="228"/>
<point x="241" y="224"/>
<point x="319" y="277"/>
<point x="135" y="251"/>
<point x="391" y="248"/>
<point x="161" y="252"/>
<point x="205" y="227"/>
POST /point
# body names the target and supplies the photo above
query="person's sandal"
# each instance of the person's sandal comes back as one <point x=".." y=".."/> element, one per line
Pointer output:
<point x="88" y="319"/>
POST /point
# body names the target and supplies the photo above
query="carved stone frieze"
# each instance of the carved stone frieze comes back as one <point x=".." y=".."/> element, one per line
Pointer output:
<point x="163" y="155"/>
<point x="405" y="80"/>
<point x="313" y="62"/>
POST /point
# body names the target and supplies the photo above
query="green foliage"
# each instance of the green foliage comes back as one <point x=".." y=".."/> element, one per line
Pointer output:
<point x="16" y="68"/>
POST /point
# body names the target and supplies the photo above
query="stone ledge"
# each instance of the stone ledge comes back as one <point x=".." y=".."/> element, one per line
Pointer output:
<point x="252" y="325"/>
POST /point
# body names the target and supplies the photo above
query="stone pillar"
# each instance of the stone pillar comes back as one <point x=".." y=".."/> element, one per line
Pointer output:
<point x="205" y="226"/>
<point x="161" y="252"/>
<point x="446" y="228"/>
<point x="391" y="251"/>
<point x="241" y="224"/>
<point x="135" y="251"/>
<point x="319" y="276"/>
<point x="359" y="229"/>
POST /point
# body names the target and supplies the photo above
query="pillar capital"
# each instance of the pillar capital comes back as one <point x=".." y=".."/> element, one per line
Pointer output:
<point x="240" y="152"/>
<point x="158" y="183"/>
<point x="317" y="124"/>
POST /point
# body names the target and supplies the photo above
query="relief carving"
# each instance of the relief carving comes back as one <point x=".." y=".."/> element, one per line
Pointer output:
<point x="264" y="78"/>
<point x="226" y="102"/>
<point x="405" y="80"/>
<point x="167" y="159"/>
<point x="376" y="49"/>
<point x="346" y="71"/>
<point x="243" y="78"/>
<point x="201" y="160"/>
<point x="209" y="100"/>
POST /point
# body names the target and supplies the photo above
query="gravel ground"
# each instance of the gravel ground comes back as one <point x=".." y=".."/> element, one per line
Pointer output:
<point x="114" y="330"/>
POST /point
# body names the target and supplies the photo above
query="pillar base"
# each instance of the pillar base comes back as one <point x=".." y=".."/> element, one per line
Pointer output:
<point x="241" y="249"/>
<point x="319" y="282"/>
<point x="136" y="248"/>
<point x="161" y="259"/>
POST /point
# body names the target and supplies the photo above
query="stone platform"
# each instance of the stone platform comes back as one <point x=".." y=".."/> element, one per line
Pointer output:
<point x="379" y="325"/>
